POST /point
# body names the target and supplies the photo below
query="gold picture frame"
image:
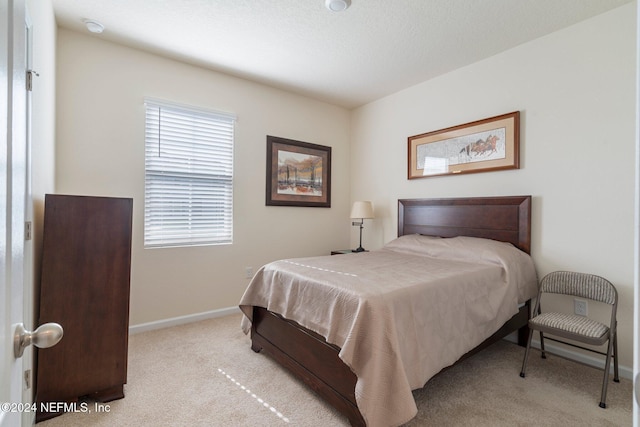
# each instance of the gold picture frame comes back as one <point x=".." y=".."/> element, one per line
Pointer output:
<point x="484" y="145"/>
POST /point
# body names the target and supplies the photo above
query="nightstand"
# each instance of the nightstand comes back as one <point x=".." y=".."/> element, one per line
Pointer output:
<point x="345" y="251"/>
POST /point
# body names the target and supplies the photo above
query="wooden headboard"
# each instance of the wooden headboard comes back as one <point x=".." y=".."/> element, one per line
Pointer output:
<point x="507" y="219"/>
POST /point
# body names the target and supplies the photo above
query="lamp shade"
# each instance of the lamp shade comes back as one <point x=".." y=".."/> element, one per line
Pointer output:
<point x="362" y="210"/>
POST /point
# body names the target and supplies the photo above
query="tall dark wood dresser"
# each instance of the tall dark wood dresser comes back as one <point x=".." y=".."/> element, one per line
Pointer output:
<point x="86" y="265"/>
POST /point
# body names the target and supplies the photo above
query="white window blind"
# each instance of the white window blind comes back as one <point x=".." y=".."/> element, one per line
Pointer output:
<point x="188" y="176"/>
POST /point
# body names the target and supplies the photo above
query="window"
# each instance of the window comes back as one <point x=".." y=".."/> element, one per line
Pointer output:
<point x="188" y="189"/>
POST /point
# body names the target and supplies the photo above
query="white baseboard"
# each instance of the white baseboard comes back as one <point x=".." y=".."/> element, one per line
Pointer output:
<point x="181" y="320"/>
<point x="559" y="350"/>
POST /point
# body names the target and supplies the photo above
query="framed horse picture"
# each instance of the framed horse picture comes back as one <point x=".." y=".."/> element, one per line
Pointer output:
<point x="481" y="146"/>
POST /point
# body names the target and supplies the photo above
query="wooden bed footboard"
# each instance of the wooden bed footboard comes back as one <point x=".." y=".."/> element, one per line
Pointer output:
<point x="309" y="357"/>
<point x="314" y="361"/>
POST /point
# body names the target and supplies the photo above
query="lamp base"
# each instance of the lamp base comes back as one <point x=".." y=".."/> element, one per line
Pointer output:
<point x="360" y="248"/>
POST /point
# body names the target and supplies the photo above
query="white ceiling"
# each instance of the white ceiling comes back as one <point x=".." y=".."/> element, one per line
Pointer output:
<point x="350" y="58"/>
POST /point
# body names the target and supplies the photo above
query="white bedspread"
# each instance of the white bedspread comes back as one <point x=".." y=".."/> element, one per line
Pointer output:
<point x="400" y="314"/>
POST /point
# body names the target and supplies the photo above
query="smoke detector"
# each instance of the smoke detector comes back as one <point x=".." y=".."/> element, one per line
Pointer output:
<point x="93" y="26"/>
<point x="337" y="5"/>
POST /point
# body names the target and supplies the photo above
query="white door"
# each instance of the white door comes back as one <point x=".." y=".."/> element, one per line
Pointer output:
<point x="636" y="306"/>
<point x="13" y="173"/>
<point x="16" y="248"/>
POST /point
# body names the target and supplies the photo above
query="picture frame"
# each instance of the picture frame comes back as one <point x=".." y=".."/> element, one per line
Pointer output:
<point x="481" y="146"/>
<point x="298" y="173"/>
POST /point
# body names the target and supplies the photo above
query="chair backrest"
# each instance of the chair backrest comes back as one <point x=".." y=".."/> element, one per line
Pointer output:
<point x="581" y="285"/>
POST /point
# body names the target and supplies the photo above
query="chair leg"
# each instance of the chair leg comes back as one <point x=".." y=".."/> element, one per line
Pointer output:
<point x="616" y="378"/>
<point x="526" y="353"/>
<point x="544" y="355"/>
<point x="607" y="366"/>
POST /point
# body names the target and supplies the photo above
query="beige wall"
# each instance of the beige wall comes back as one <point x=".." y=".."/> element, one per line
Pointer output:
<point x="575" y="90"/>
<point x="100" y="151"/>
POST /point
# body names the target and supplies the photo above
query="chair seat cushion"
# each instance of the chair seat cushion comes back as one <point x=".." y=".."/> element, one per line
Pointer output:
<point x="572" y="324"/>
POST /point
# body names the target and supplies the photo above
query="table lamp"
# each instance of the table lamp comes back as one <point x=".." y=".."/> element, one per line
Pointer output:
<point x="361" y="210"/>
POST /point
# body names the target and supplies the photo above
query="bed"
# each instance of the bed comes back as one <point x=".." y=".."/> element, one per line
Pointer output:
<point x="325" y="358"/>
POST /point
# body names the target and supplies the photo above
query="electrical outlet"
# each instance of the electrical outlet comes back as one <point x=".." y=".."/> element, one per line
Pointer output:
<point x="248" y="272"/>
<point x="580" y="307"/>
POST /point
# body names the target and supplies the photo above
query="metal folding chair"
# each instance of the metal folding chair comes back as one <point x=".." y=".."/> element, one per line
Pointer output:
<point x="575" y="327"/>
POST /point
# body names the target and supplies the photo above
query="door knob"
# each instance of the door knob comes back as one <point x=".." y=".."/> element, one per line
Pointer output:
<point x="44" y="336"/>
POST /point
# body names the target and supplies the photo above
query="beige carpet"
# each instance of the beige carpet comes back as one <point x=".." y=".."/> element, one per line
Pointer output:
<point x="205" y="374"/>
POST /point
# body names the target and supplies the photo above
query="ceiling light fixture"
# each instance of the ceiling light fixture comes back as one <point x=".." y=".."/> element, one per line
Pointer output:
<point x="337" y="5"/>
<point x="93" y="26"/>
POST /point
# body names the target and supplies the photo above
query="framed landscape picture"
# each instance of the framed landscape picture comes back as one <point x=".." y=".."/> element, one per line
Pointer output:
<point x="484" y="145"/>
<point x="298" y="173"/>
